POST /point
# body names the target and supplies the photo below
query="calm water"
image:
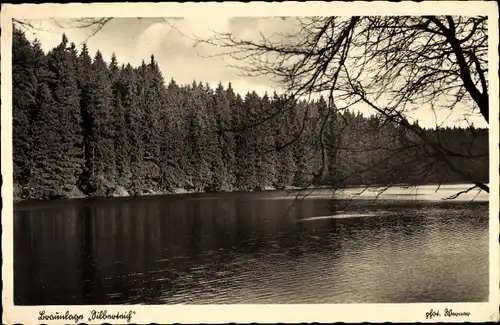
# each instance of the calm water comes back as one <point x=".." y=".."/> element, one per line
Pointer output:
<point x="249" y="248"/>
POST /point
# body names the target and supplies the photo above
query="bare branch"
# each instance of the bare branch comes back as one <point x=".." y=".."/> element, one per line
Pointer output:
<point x="454" y="196"/>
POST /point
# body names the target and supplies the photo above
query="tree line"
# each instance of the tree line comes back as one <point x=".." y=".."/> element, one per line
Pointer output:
<point x="86" y="127"/>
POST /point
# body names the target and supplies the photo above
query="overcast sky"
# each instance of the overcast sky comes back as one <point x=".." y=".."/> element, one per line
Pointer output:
<point x="133" y="40"/>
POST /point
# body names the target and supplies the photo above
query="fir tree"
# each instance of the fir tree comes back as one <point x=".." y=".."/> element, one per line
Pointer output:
<point x="223" y="162"/>
<point x="102" y="161"/>
<point x="24" y="106"/>
<point x="154" y="103"/>
<point x="265" y="153"/>
<point x="172" y="145"/>
<point x="46" y="179"/>
<point x="199" y="159"/>
<point x="85" y="76"/>
<point x="284" y="126"/>
<point x="67" y="149"/>
<point x="246" y="145"/>
<point x="126" y="123"/>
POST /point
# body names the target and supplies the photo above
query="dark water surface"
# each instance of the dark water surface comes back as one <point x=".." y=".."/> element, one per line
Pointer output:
<point x="249" y="248"/>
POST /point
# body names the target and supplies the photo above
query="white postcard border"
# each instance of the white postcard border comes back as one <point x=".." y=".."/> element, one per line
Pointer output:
<point x="248" y="313"/>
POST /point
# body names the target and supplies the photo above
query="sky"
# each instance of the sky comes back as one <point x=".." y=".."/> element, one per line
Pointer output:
<point x="171" y="42"/>
<point x="134" y="40"/>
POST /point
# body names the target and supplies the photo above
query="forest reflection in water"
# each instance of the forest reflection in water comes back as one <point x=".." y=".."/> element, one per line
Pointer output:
<point x="249" y="248"/>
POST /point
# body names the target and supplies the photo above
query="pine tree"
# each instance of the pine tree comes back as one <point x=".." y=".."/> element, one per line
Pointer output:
<point x="128" y="141"/>
<point x="45" y="181"/>
<point x="284" y="126"/>
<point x="303" y="147"/>
<point x="24" y="92"/>
<point x="101" y="162"/>
<point x="213" y="143"/>
<point x="85" y="76"/>
<point x="265" y="153"/>
<point x="29" y="76"/>
<point x="67" y="149"/>
<point x="120" y="135"/>
<point x="199" y="160"/>
<point x="154" y="102"/>
<point x="114" y="70"/>
<point x="137" y="131"/>
<point x="223" y="162"/>
<point x="172" y="146"/>
<point x="246" y="145"/>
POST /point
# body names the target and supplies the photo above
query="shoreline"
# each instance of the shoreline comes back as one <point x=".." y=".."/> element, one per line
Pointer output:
<point x="182" y="191"/>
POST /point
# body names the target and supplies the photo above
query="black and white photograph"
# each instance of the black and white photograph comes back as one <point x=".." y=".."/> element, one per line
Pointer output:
<point x="159" y="160"/>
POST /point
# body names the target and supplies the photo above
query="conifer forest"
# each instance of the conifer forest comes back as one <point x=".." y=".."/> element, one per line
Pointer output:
<point x="86" y="127"/>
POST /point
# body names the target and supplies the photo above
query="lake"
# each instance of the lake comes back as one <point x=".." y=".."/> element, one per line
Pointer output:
<point x="252" y="248"/>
